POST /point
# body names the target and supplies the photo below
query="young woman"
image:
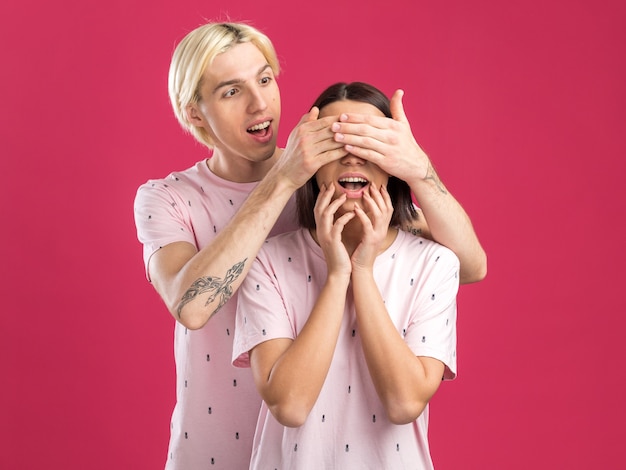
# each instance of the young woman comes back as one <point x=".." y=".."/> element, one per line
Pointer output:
<point x="349" y="324"/>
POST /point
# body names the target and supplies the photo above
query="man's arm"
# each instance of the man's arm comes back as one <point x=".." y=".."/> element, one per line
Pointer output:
<point x="389" y="143"/>
<point x="448" y="223"/>
<point x="195" y="284"/>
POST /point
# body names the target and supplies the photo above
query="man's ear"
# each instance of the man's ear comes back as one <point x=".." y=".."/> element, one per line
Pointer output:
<point x="202" y="130"/>
<point x="194" y="116"/>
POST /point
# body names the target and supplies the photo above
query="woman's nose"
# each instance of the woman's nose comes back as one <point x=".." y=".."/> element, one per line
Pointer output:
<point x="352" y="160"/>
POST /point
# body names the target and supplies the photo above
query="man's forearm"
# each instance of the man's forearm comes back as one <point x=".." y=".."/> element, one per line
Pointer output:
<point x="450" y="225"/>
<point x="212" y="276"/>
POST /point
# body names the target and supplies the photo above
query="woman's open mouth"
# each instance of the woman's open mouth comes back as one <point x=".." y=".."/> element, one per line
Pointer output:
<point x="353" y="183"/>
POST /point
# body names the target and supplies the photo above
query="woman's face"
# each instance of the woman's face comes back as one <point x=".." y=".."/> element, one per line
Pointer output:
<point x="350" y="175"/>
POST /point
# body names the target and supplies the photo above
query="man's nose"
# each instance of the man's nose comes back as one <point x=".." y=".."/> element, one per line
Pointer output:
<point x="257" y="101"/>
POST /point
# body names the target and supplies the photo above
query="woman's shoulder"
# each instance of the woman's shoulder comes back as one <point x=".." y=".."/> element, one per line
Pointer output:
<point x="426" y="247"/>
<point x="294" y="240"/>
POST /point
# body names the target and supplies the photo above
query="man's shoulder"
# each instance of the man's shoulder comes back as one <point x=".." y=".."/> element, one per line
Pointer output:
<point x="178" y="178"/>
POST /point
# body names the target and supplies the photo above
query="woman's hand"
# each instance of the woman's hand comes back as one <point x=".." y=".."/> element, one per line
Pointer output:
<point x="375" y="218"/>
<point x="329" y="230"/>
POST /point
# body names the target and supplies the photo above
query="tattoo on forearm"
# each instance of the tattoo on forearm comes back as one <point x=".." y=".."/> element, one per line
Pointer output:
<point x="432" y="175"/>
<point x="216" y="286"/>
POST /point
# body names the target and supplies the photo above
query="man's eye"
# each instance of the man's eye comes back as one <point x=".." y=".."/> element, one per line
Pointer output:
<point x="230" y="93"/>
<point x="265" y="80"/>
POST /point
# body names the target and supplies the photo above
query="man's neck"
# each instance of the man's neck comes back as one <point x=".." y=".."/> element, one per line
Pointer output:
<point x="240" y="170"/>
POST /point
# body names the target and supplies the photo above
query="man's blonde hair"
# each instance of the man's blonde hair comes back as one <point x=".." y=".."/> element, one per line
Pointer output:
<point x="196" y="52"/>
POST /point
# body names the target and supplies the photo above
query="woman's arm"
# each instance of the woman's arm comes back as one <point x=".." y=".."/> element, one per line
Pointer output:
<point x="404" y="383"/>
<point x="290" y="374"/>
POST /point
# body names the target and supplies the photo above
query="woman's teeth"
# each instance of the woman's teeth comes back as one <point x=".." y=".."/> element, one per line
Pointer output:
<point x="352" y="182"/>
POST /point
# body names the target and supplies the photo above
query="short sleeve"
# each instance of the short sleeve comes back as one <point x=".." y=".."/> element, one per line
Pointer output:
<point x="161" y="218"/>
<point x="432" y="327"/>
<point x="261" y="311"/>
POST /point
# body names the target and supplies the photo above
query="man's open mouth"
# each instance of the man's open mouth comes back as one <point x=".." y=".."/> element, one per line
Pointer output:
<point x="260" y="128"/>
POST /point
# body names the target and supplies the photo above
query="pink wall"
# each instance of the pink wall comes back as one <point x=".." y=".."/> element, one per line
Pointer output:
<point x="521" y="107"/>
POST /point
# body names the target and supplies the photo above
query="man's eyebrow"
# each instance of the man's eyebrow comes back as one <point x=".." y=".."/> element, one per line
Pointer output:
<point x="236" y="81"/>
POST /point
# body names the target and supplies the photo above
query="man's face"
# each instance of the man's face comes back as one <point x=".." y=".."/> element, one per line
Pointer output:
<point x="350" y="175"/>
<point x="239" y="104"/>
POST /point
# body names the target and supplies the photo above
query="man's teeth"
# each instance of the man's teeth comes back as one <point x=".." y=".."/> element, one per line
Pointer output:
<point x="260" y="126"/>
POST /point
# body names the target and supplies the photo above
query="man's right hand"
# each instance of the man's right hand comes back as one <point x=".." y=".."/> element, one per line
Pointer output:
<point x="311" y="145"/>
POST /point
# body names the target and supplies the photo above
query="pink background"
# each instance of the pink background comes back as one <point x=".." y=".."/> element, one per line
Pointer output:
<point x="521" y="106"/>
